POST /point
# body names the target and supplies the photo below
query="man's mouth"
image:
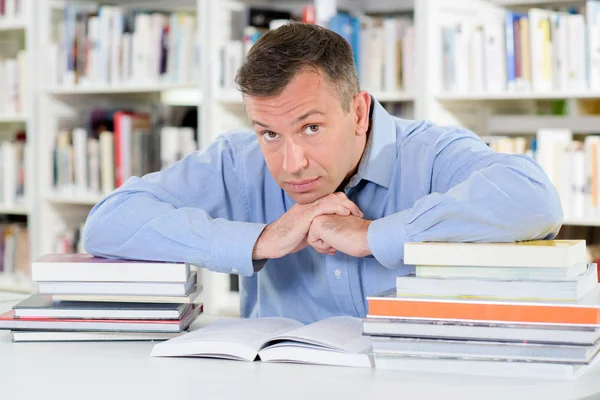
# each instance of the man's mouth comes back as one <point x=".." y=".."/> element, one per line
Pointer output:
<point x="303" y="185"/>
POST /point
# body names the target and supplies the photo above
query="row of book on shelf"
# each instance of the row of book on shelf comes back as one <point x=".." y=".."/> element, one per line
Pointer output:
<point x="11" y="10"/>
<point x="525" y="309"/>
<point x="14" y="251"/>
<point x="114" y="145"/>
<point x="383" y="47"/>
<point x="13" y="161"/>
<point x="13" y="84"/>
<point x="572" y="165"/>
<point x="539" y="50"/>
<point x="98" y="45"/>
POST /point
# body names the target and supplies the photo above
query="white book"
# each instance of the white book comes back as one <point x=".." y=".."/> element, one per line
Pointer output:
<point x="462" y="36"/>
<point x="9" y="9"/>
<point x="390" y="66"/>
<point x="12" y="86"/>
<point x="189" y="298"/>
<point x="93" y="148"/>
<point x="408" y="59"/>
<point x="534" y="253"/>
<point x="141" y="49"/>
<point x="474" y="330"/>
<point x="80" y="151"/>
<point x="377" y="43"/>
<point x="157" y="25"/>
<point x="510" y="273"/>
<point x="593" y="50"/>
<point x="92" y="67"/>
<point x="85" y="267"/>
<point x="126" y="57"/>
<point x="23" y="86"/>
<point x="477" y="68"/>
<point x="578" y="182"/>
<point x="116" y="53"/>
<point x="40" y="306"/>
<point x="120" y="288"/>
<point x="3" y="86"/>
<point x="567" y="290"/>
<point x="515" y="369"/>
<point x="107" y="164"/>
<point x="486" y="350"/>
<point x="551" y="144"/>
<point x="332" y="341"/>
<point x="169" y="146"/>
<point x="576" y="64"/>
<point x="187" y="144"/>
<point x="539" y="27"/>
<point x="495" y="56"/>
<point x="9" y="172"/>
<point x="74" y="336"/>
<point x="591" y="147"/>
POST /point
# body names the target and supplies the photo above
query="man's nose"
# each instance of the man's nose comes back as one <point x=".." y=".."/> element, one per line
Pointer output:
<point x="293" y="159"/>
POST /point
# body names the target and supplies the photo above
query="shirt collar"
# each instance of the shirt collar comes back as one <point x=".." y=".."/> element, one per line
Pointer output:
<point x="379" y="158"/>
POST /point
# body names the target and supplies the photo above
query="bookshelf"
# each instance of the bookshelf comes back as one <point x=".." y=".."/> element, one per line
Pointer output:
<point x="53" y="104"/>
<point x="17" y="141"/>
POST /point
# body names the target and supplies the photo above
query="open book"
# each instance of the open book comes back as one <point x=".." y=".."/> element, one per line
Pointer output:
<point x="332" y="341"/>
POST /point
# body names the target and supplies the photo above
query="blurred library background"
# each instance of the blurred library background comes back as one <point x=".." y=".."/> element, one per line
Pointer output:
<point x="92" y="93"/>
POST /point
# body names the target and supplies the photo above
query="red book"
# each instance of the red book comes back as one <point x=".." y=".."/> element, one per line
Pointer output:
<point x="9" y="322"/>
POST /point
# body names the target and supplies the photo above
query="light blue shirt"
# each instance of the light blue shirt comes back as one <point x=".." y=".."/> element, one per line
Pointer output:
<point x="416" y="181"/>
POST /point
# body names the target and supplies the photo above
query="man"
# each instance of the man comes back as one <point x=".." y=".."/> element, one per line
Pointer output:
<point x="312" y="210"/>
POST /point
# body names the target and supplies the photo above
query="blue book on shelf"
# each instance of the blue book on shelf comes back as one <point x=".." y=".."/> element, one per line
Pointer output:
<point x="347" y="27"/>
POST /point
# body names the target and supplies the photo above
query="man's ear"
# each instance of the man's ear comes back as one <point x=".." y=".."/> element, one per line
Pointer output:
<point x="362" y="106"/>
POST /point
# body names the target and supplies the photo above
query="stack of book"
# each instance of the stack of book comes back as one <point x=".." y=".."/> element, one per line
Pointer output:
<point x="529" y="309"/>
<point x="81" y="297"/>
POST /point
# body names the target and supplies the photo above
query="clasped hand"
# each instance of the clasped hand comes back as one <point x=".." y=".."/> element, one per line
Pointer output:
<point x="332" y="223"/>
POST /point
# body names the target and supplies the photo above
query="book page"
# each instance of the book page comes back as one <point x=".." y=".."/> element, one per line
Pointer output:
<point x="339" y="333"/>
<point x="251" y="332"/>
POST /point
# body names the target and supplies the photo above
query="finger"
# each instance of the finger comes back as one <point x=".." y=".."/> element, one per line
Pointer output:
<point x="326" y="207"/>
<point x="322" y="247"/>
<point x="346" y="202"/>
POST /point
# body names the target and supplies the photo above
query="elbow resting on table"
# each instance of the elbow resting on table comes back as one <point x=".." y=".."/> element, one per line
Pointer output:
<point x="549" y="212"/>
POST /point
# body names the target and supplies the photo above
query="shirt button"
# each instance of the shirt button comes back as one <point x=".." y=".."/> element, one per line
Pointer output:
<point x="234" y="270"/>
<point x="337" y="273"/>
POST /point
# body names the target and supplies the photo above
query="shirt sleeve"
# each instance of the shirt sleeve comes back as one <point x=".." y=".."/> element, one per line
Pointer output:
<point x="476" y="195"/>
<point x="189" y="212"/>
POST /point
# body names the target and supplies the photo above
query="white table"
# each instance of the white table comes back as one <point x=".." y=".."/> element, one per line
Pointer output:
<point x="113" y="370"/>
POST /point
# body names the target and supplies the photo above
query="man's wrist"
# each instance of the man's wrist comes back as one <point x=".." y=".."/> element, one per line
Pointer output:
<point x="366" y="249"/>
<point x="260" y="250"/>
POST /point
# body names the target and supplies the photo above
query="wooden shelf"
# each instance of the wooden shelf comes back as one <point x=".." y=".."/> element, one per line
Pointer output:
<point x="392" y="96"/>
<point x="186" y="96"/>
<point x="116" y="89"/>
<point x="13" y="209"/>
<point x="12" y="118"/>
<point x="553" y="95"/>
<point x="524" y="124"/>
<point x="591" y="221"/>
<point x="533" y="2"/>
<point x="229" y="96"/>
<point x="75" y="199"/>
<point x="12" y="24"/>
<point x="234" y="97"/>
<point x="12" y="284"/>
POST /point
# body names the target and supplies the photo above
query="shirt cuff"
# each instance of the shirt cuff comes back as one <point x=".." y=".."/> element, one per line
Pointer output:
<point x="386" y="237"/>
<point x="232" y="247"/>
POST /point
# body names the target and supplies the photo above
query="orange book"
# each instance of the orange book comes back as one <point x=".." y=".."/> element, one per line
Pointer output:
<point x="585" y="311"/>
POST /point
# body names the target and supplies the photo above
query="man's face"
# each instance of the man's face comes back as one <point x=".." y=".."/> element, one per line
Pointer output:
<point x="309" y="142"/>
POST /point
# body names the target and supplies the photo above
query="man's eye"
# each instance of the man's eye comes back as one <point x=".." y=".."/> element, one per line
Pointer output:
<point x="268" y="135"/>
<point x="312" y="129"/>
